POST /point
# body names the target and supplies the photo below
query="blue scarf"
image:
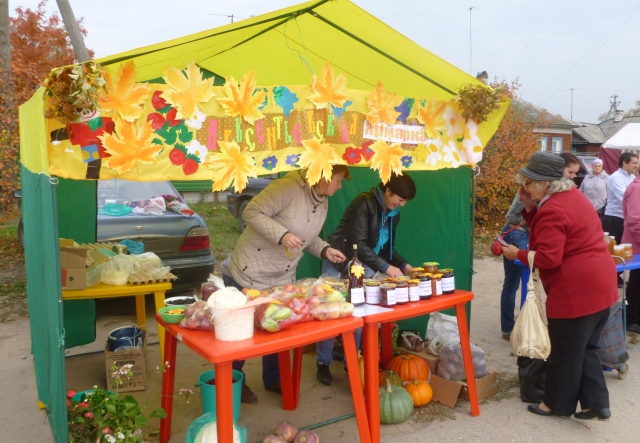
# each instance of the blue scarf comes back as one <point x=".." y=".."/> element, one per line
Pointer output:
<point x="385" y="233"/>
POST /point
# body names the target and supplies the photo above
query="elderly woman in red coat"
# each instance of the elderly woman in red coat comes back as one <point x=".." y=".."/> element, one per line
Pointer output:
<point x="579" y="278"/>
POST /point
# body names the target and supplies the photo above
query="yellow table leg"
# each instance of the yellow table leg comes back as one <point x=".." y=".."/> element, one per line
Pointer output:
<point x="159" y="299"/>
<point x="141" y="312"/>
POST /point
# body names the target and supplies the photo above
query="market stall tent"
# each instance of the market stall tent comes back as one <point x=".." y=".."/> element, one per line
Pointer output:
<point x="292" y="56"/>
<point x="627" y="139"/>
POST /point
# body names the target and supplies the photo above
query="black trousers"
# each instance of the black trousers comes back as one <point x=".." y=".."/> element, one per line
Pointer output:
<point x="574" y="372"/>
<point x="633" y="297"/>
<point x="614" y="226"/>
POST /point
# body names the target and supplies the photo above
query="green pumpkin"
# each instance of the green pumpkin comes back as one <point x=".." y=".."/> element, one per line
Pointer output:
<point x="396" y="404"/>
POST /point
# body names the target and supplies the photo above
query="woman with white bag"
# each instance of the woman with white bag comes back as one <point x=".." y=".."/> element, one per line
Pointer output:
<point x="579" y="278"/>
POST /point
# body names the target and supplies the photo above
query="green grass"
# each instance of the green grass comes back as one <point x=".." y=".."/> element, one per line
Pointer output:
<point x="13" y="282"/>
<point x="223" y="228"/>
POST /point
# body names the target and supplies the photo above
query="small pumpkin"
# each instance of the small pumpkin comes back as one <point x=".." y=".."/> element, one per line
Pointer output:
<point x="409" y="367"/>
<point x="394" y="378"/>
<point x="420" y="392"/>
<point x="396" y="404"/>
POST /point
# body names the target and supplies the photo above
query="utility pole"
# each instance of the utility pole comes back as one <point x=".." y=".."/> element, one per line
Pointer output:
<point x="5" y="42"/>
<point x="73" y="29"/>
<point x="470" y="46"/>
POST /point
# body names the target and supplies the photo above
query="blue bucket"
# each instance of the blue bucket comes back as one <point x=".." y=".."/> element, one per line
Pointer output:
<point x="125" y="336"/>
<point x="208" y="392"/>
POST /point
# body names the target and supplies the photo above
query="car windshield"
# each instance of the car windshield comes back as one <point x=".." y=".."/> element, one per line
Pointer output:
<point x="135" y="193"/>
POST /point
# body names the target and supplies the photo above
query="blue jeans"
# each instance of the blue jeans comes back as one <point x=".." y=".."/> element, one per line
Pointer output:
<point x="512" y="276"/>
<point x="324" y="348"/>
<point x="270" y="366"/>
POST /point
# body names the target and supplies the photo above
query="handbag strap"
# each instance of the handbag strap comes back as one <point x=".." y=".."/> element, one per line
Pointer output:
<point x="530" y="285"/>
<point x="504" y="234"/>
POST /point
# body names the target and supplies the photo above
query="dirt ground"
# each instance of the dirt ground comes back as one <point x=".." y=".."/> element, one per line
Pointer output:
<point x="503" y="417"/>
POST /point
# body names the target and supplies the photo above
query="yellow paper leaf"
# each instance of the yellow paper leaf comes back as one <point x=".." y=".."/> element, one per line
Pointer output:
<point x="243" y="100"/>
<point x="328" y="89"/>
<point x="357" y="270"/>
<point x="382" y="106"/>
<point x="124" y="97"/>
<point x="318" y="158"/>
<point x="387" y="159"/>
<point x="231" y="166"/>
<point x="130" y="146"/>
<point x="431" y="116"/>
<point x="186" y="91"/>
<point x="421" y="153"/>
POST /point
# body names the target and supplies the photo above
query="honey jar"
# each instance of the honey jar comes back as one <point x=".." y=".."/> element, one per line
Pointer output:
<point x="387" y="294"/>
<point x="436" y="284"/>
<point x="425" y="287"/>
<point x="628" y="251"/>
<point x="430" y="267"/>
<point x="372" y="292"/>
<point x="414" y="290"/>
<point x="448" y="281"/>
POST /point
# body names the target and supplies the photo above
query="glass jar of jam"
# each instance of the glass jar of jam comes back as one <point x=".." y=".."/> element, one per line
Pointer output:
<point x="414" y="290"/>
<point x="436" y="284"/>
<point x="402" y="292"/>
<point x="425" y="287"/>
<point x="372" y="292"/>
<point x="628" y="251"/>
<point x="618" y="251"/>
<point x="430" y="267"/>
<point x="448" y="281"/>
<point x="387" y="294"/>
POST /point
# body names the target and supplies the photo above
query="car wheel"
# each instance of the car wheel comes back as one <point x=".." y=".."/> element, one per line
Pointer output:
<point x="240" y="214"/>
<point x="21" y="233"/>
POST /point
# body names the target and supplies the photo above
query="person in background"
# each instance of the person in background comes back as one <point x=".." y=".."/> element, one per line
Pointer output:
<point x="578" y="276"/>
<point x="282" y="221"/>
<point x="518" y="235"/>
<point x="571" y="165"/>
<point x="594" y="186"/>
<point x="370" y="221"/>
<point x="613" y="218"/>
<point x="631" y="234"/>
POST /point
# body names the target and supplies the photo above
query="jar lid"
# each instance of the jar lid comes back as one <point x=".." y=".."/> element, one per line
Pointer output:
<point x="626" y="245"/>
<point x="618" y="248"/>
<point x="446" y="270"/>
<point x="430" y="263"/>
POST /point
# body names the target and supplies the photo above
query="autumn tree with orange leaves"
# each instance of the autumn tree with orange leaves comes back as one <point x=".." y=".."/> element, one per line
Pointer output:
<point x="508" y="150"/>
<point x="39" y="43"/>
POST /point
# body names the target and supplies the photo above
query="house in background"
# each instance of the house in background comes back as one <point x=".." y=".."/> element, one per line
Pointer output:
<point x="555" y="130"/>
<point x="588" y="137"/>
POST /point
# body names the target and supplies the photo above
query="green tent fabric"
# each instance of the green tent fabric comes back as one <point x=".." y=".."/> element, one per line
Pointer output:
<point x="283" y="47"/>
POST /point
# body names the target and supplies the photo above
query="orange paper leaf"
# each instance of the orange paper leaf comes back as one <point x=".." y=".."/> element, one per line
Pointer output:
<point x="186" y="91"/>
<point x="431" y="116"/>
<point x="130" y="146"/>
<point x="124" y="97"/>
<point x="382" y="106"/>
<point x="328" y="89"/>
<point x="243" y="99"/>
<point x="231" y="165"/>
<point x="387" y="159"/>
<point x="318" y="158"/>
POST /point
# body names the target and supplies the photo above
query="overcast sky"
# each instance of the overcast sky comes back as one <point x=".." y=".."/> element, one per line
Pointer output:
<point x="586" y="50"/>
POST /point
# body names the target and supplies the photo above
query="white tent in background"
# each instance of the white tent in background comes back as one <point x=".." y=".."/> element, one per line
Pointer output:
<point x="627" y="139"/>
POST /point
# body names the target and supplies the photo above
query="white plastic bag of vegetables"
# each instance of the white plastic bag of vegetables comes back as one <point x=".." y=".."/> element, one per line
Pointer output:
<point x="197" y="316"/>
<point x="203" y="430"/>
<point x="116" y="270"/>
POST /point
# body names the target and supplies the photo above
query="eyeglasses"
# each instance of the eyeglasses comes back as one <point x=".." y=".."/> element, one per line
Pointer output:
<point x="527" y="183"/>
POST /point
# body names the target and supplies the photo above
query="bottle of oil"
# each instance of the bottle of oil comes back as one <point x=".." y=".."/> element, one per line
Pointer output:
<point x="356" y="279"/>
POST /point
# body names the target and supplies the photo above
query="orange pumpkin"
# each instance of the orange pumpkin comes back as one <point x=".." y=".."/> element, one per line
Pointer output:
<point x="394" y="378"/>
<point x="420" y="392"/>
<point x="409" y="367"/>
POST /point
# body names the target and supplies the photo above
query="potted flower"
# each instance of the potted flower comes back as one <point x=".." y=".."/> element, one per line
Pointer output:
<point x="100" y="415"/>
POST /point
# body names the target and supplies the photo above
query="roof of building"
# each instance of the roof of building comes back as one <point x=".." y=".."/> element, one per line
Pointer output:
<point x="538" y="114"/>
<point x="601" y="132"/>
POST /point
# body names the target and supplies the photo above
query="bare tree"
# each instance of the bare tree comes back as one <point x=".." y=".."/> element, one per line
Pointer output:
<point x="73" y="29"/>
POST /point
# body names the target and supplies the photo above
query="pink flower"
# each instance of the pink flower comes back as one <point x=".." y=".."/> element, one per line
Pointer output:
<point x="71" y="393"/>
<point x="106" y="430"/>
<point x="83" y="404"/>
<point x="88" y="414"/>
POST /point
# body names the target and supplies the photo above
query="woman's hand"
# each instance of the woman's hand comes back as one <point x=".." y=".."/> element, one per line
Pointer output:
<point x="510" y="252"/>
<point x="525" y="197"/>
<point x="334" y="255"/>
<point x="392" y="271"/>
<point x="291" y="241"/>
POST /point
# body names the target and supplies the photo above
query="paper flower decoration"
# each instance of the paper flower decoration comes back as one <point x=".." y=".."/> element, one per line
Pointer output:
<point x="231" y="166"/>
<point x="318" y="158"/>
<point x="431" y="116"/>
<point x="243" y="100"/>
<point x="124" y="98"/>
<point x="185" y="91"/>
<point x="387" y="159"/>
<point x="328" y="89"/>
<point x="130" y="146"/>
<point x="382" y="106"/>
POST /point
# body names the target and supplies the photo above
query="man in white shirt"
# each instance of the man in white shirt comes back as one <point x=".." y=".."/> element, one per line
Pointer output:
<point x="613" y="219"/>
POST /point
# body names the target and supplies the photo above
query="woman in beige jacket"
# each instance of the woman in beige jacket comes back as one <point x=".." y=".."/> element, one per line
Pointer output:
<point x="282" y="220"/>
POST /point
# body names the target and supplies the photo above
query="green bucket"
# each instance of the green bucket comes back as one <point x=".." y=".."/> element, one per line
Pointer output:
<point x="208" y="392"/>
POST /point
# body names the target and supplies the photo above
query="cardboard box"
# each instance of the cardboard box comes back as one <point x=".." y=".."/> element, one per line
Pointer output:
<point x="447" y="392"/>
<point x="432" y="360"/>
<point x="137" y="357"/>
<point x="73" y="264"/>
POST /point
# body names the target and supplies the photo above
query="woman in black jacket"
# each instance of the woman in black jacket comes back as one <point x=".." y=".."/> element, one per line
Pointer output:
<point x="370" y="221"/>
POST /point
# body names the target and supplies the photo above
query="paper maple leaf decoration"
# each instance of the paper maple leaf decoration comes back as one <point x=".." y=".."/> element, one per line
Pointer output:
<point x="387" y="159"/>
<point x="328" y="89"/>
<point x="431" y="116"/>
<point x="357" y="270"/>
<point x="241" y="99"/>
<point x="382" y="106"/>
<point x="124" y="97"/>
<point x="318" y="158"/>
<point x="130" y="146"/>
<point x="231" y="166"/>
<point x="186" y="91"/>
